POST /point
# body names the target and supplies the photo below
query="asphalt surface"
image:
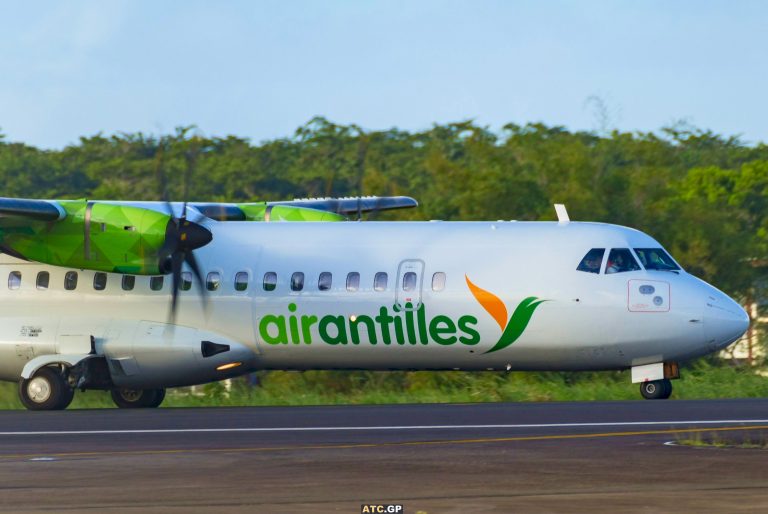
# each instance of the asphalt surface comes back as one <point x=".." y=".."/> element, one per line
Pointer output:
<point x="513" y="457"/>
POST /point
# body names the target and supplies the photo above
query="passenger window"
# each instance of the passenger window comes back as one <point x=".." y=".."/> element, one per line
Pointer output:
<point x="156" y="283"/>
<point x="380" y="282"/>
<point x="353" y="281"/>
<point x="409" y="281"/>
<point x="14" y="280"/>
<point x="297" y="281"/>
<point x="128" y="282"/>
<point x="438" y="281"/>
<point x="186" y="280"/>
<point x="70" y="280"/>
<point x="325" y="281"/>
<point x="656" y="259"/>
<point x="621" y="260"/>
<point x="100" y="281"/>
<point x="212" y="281"/>
<point x="270" y="281"/>
<point x="241" y="281"/>
<point x="43" y="278"/>
<point x="592" y="261"/>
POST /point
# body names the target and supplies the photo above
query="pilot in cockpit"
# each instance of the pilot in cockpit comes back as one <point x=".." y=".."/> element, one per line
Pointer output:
<point x="592" y="263"/>
<point x="616" y="264"/>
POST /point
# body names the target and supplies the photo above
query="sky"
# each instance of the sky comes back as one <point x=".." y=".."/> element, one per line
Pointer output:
<point x="260" y="69"/>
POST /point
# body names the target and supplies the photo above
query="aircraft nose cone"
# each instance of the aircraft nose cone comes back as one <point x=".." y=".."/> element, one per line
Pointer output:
<point x="725" y="321"/>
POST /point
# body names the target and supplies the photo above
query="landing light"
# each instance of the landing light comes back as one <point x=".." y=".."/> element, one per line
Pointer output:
<point x="227" y="366"/>
<point x="353" y="318"/>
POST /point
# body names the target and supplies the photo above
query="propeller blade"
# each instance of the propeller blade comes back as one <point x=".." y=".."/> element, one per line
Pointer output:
<point x="160" y="172"/>
<point x="191" y="157"/>
<point x="162" y="179"/>
<point x="182" y="237"/>
<point x="170" y="245"/>
<point x="177" y="261"/>
<point x="189" y="258"/>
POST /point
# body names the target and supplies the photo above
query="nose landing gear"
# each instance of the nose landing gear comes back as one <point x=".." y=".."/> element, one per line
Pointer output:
<point x="656" y="389"/>
<point x="654" y="379"/>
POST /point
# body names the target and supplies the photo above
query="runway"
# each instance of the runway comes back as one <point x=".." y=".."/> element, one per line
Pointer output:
<point x="504" y="457"/>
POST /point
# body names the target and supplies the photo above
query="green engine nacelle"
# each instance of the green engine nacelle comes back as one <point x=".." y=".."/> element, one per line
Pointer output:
<point x="116" y="238"/>
<point x="93" y="235"/>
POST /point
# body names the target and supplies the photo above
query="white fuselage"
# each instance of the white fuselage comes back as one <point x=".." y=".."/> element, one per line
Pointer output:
<point x="586" y="320"/>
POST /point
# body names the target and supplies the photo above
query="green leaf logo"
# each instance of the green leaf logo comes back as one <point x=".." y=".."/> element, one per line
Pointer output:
<point x="495" y="307"/>
<point x="517" y="323"/>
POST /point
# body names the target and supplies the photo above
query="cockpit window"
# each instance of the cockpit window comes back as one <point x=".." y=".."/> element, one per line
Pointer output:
<point x="592" y="261"/>
<point x="656" y="258"/>
<point x="621" y="260"/>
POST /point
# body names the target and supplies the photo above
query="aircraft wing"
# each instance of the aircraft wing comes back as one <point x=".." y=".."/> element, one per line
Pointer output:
<point x="355" y="204"/>
<point x="37" y="210"/>
<point x="305" y="209"/>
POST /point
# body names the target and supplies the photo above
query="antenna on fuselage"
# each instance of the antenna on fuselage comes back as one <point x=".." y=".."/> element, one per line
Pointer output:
<point x="562" y="214"/>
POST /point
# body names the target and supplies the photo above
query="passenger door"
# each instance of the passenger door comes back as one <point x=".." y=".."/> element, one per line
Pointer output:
<point x="410" y="280"/>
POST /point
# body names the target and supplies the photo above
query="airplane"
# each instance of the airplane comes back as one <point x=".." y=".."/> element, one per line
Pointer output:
<point x="139" y="297"/>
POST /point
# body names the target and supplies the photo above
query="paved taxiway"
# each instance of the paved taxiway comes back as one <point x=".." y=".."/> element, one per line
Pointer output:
<point x="521" y="457"/>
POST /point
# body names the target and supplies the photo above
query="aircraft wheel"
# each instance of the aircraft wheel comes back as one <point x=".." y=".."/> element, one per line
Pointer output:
<point x="138" y="398"/>
<point x="667" y="389"/>
<point x="45" y="390"/>
<point x="656" y="389"/>
<point x="158" y="399"/>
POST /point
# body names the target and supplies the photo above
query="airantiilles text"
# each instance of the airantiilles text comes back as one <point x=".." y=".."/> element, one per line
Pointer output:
<point x="401" y="326"/>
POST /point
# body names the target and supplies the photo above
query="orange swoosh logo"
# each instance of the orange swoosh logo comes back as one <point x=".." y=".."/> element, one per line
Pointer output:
<point x="490" y="303"/>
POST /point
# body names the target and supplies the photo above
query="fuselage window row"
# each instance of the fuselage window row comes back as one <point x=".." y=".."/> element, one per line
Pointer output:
<point x="352" y="283"/>
<point x="213" y="281"/>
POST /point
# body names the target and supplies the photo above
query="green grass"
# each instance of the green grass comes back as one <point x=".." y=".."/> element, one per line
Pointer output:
<point x="746" y="440"/>
<point x="700" y="381"/>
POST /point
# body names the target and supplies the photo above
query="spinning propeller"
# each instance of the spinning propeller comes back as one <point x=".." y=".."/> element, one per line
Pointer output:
<point x="182" y="236"/>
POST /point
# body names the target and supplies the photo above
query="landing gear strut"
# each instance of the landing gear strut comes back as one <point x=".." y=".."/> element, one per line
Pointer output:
<point x="46" y="390"/>
<point x="656" y="389"/>
<point x="138" y="398"/>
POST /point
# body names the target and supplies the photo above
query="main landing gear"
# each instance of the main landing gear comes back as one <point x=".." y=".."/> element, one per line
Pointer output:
<point x="656" y="389"/>
<point x="47" y="389"/>
<point x="138" y="398"/>
<point x="51" y="388"/>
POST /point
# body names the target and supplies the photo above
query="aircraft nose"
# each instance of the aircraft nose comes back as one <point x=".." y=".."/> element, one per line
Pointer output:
<point x="725" y="321"/>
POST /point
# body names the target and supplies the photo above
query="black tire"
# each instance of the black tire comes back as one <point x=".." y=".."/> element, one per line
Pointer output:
<point x="138" y="398"/>
<point x="656" y="389"/>
<point x="158" y="399"/>
<point x="667" y="389"/>
<point x="45" y="390"/>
